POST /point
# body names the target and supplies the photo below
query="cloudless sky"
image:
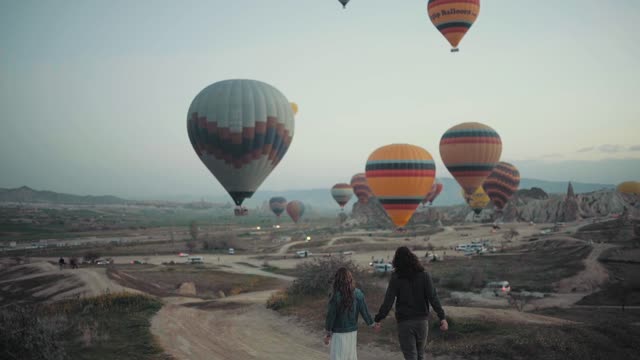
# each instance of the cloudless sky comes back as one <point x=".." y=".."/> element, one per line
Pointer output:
<point x="94" y="94"/>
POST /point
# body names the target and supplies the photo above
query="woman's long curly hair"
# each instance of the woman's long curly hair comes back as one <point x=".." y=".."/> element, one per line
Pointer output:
<point x="344" y="284"/>
<point x="406" y="263"/>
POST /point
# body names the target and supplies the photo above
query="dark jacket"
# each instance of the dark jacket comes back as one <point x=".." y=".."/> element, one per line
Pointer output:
<point x="346" y="321"/>
<point x="412" y="296"/>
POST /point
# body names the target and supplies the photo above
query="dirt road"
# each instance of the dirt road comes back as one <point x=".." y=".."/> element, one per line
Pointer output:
<point x="239" y="328"/>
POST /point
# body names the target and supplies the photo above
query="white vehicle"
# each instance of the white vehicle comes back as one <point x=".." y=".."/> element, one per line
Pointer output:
<point x="232" y="251"/>
<point x="303" y="253"/>
<point x="383" y="268"/>
<point x="195" y="260"/>
<point x="183" y="254"/>
<point x="462" y="247"/>
<point x="499" y="288"/>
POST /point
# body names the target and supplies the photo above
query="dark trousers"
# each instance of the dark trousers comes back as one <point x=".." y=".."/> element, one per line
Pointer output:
<point x="413" y="338"/>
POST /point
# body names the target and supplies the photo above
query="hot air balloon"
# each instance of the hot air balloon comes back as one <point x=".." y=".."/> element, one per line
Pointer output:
<point x="400" y="175"/>
<point x="453" y="18"/>
<point x="294" y="108"/>
<point x="502" y="183"/>
<point x="436" y="189"/>
<point x="478" y="200"/>
<point x="361" y="187"/>
<point x="629" y="187"/>
<point x="241" y="130"/>
<point x="344" y="3"/>
<point x="277" y="204"/>
<point x="470" y="151"/>
<point x="295" y="209"/>
<point x="342" y="193"/>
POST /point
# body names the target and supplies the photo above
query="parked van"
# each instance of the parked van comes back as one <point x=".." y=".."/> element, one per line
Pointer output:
<point x="232" y="251"/>
<point x="383" y="268"/>
<point x="195" y="260"/>
<point x="462" y="247"/>
<point x="499" y="288"/>
<point x="303" y="253"/>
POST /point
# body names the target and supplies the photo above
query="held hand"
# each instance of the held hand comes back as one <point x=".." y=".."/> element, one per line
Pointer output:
<point x="377" y="327"/>
<point x="327" y="339"/>
<point x="444" y="325"/>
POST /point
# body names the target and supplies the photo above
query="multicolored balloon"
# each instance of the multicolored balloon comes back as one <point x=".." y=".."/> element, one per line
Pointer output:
<point x="478" y="200"/>
<point x="295" y="209"/>
<point x="342" y="193"/>
<point x="240" y="130"/>
<point x="502" y="183"/>
<point x="629" y="187"/>
<point x="277" y="204"/>
<point x="453" y="18"/>
<point x="344" y="3"/>
<point x="436" y="189"/>
<point x="400" y="175"/>
<point x="361" y="187"/>
<point x="470" y="151"/>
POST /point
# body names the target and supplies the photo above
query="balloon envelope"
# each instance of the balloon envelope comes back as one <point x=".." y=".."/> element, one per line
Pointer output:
<point x="295" y="209"/>
<point x="436" y="189"/>
<point x="277" y="204"/>
<point x="478" y="200"/>
<point x="470" y="151"/>
<point x="342" y="193"/>
<point x="344" y="3"/>
<point x="400" y="175"/>
<point x="361" y="187"/>
<point x="629" y="187"/>
<point x="453" y="18"/>
<point x="502" y="183"/>
<point x="240" y="130"/>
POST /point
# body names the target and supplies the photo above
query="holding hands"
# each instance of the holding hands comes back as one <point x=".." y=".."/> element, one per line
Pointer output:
<point x="444" y="325"/>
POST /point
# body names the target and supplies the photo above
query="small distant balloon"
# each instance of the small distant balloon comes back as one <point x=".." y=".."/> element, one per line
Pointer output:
<point x="295" y="209"/>
<point x="277" y="204"/>
<point x="342" y="193"/>
<point x="453" y="18"/>
<point x="294" y="107"/>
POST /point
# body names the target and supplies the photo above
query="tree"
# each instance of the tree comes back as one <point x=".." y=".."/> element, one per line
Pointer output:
<point x="91" y="256"/>
<point x="519" y="301"/>
<point x="193" y="230"/>
<point x="509" y="235"/>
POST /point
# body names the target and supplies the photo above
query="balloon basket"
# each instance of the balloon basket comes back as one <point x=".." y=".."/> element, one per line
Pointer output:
<point x="455" y="50"/>
<point x="240" y="211"/>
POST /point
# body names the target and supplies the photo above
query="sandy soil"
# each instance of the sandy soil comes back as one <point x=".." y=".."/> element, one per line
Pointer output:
<point x="591" y="278"/>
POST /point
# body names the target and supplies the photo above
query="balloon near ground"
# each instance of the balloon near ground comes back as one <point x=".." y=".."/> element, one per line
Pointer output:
<point x="361" y="187"/>
<point x="436" y="189"/>
<point x="277" y="204"/>
<point x="502" y="183"/>
<point x="478" y="200"/>
<point x="295" y="209"/>
<point x="453" y="18"/>
<point x="400" y="175"/>
<point x="240" y="130"/>
<point x="629" y="187"/>
<point x="342" y="193"/>
<point x="470" y="151"/>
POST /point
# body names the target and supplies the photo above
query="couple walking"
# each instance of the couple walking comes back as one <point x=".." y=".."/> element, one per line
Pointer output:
<point x="410" y="288"/>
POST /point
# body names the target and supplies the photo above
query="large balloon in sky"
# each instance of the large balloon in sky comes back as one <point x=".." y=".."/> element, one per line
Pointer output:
<point x="400" y="175"/>
<point x="295" y="209"/>
<point x="361" y="187"/>
<point x="277" y="204"/>
<point x="342" y="193"/>
<point x="629" y="187"/>
<point x="240" y="129"/>
<point x="478" y="200"/>
<point x="470" y="151"/>
<point x="502" y="183"/>
<point x="436" y="189"/>
<point x="453" y="18"/>
<point x="344" y="3"/>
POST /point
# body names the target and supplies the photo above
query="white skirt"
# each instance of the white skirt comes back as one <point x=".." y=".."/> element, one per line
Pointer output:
<point x="343" y="346"/>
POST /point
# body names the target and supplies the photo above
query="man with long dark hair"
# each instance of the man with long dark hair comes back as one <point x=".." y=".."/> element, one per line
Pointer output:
<point x="411" y="288"/>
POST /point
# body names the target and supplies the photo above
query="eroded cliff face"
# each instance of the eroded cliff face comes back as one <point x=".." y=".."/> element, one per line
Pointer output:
<point x="525" y="206"/>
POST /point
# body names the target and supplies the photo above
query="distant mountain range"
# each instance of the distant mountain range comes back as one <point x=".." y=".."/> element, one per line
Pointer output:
<point x="319" y="199"/>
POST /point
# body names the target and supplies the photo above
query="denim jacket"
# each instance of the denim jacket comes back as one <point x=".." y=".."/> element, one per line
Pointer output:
<point x="346" y="321"/>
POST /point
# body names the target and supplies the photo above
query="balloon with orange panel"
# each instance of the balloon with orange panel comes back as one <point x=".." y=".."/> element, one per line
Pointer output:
<point x="453" y="18"/>
<point x="470" y="151"/>
<point x="295" y="209"/>
<point x="629" y="187"/>
<point x="342" y="193"/>
<point x="361" y="187"/>
<point x="400" y="175"/>
<point x="502" y="183"/>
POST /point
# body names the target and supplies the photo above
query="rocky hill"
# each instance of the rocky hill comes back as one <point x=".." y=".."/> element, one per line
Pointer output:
<point x="27" y="195"/>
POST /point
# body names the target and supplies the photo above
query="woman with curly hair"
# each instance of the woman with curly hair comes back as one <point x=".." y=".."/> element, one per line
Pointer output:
<point x="345" y="303"/>
<point x="412" y="290"/>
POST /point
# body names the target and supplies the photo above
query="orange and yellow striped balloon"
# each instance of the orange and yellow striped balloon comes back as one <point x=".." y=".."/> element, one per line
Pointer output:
<point x="400" y="176"/>
<point x="629" y="187"/>
<point x="470" y="151"/>
<point x="453" y="18"/>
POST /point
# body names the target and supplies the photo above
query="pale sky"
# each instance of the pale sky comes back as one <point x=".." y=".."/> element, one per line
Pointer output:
<point x="94" y="94"/>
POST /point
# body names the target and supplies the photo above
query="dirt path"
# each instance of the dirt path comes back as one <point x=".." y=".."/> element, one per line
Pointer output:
<point x="283" y="250"/>
<point x="589" y="279"/>
<point x="239" y="327"/>
<point x="503" y="316"/>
